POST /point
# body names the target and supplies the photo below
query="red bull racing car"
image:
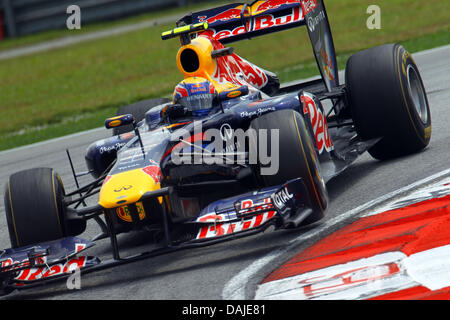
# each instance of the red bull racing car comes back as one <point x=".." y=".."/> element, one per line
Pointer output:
<point x="233" y="153"/>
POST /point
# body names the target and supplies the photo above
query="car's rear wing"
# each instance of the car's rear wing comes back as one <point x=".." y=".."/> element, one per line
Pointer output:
<point x="238" y="21"/>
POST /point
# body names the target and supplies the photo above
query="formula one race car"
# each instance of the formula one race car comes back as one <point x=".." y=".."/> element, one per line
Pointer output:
<point x="233" y="152"/>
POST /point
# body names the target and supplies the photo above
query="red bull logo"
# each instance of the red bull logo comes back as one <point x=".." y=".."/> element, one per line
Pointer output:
<point x="257" y="23"/>
<point x="198" y="88"/>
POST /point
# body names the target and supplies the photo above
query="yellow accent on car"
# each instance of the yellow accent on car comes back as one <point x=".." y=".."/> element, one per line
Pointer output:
<point x="126" y="188"/>
<point x="192" y="28"/>
<point x="115" y="123"/>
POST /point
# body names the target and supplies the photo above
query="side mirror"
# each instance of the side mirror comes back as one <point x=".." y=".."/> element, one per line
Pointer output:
<point x="233" y="93"/>
<point x="119" y="121"/>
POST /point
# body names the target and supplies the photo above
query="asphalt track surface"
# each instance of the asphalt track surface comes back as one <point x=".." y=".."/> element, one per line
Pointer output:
<point x="213" y="272"/>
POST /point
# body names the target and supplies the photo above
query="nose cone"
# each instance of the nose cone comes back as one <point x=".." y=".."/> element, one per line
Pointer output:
<point x="127" y="187"/>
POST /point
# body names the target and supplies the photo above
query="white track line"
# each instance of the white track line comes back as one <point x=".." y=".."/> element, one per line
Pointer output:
<point x="235" y="288"/>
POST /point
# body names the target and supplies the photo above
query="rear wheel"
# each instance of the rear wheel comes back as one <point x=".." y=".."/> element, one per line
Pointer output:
<point x="387" y="99"/>
<point x="138" y="110"/>
<point x="34" y="208"/>
<point x="297" y="158"/>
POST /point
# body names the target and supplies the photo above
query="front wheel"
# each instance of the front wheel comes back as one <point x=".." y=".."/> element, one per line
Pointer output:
<point x="34" y="208"/>
<point x="387" y="99"/>
<point x="296" y="157"/>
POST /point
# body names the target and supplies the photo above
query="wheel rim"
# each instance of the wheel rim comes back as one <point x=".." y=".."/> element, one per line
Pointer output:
<point x="417" y="93"/>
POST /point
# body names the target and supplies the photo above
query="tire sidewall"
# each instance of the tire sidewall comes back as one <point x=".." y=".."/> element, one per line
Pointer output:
<point x="421" y="130"/>
<point x="381" y="102"/>
<point x="21" y="209"/>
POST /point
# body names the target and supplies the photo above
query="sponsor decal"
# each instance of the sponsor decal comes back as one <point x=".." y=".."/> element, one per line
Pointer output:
<point x="244" y="207"/>
<point x="226" y="132"/>
<point x="234" y="94"/>
<point x="281" y="198"/>
<point x="313" y="22"/>
<point x="247" y="206"/>
<point x="405" y="57"/>
<point x="198" y="87"/>
<point x="319" y="124"/>
<point x="124" y="212"/>
<point x="427" y="132"/>
<point x="222" y="229"/>
<point x="259" y="23"/>
<point x="114" y="147"/>
<point x="212" y="217"/>
<point x="257" y="113"/>
<point x="239" y="71"/>
<point x="274" y="4"/>
<point x="308" y="6"/>
<point x="36" y="273"/>
<point x="153" y="171"/>
<point x="124" y="188"/>
<point x="230" y="14"/>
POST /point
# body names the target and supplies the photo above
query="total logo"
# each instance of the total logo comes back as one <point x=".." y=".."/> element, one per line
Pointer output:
<point x="281" y="198"/>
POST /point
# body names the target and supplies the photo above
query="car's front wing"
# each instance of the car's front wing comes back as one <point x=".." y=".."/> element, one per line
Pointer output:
<point x="282" y="206"/>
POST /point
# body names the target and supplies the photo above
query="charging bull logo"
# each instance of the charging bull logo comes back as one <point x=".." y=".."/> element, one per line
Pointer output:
<point x="225" y="16"/>
<point x="308" y="6"/>
<point x="237" y="70"/>
<point x="274" y="4"/>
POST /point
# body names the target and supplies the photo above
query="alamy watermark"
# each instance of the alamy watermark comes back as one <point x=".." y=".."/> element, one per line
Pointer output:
<point x="74" y="280"/>
<point x="374" y="20"/>
<point x="227" y="146"/>
<point x="73" y="22"/>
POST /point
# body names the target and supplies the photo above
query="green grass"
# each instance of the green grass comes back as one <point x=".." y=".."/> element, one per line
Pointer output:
<point x="72" y="89"/>
<point x="14" y="43"/>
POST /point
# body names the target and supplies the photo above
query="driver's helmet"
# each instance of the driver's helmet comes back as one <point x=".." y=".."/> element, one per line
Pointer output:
<point x="196" y="94"/>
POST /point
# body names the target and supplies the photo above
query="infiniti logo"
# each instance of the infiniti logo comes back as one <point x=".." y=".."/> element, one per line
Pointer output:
<point x="124" y="188"/>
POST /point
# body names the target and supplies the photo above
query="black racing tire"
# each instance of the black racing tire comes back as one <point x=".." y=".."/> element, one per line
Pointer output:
<point x="138" y="110"/>
<point x="387" y="99"/>
<point x="34" y="207"/>
<point x="297" y="158"/>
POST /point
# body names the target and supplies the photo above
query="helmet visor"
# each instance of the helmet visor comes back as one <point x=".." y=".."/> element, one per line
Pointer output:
<point x="196" y="102"/>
